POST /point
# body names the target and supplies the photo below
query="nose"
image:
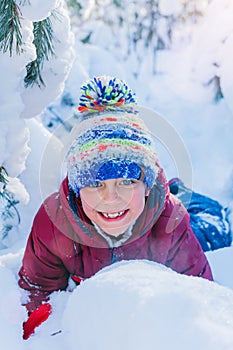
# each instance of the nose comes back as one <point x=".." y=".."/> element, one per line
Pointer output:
<point x="110" y="193"/>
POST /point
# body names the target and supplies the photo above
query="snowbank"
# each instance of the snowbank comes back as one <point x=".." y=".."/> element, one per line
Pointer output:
<point x="11" y="312"/>
<point x="130" y="305"/>
<point x="142" y="305"/>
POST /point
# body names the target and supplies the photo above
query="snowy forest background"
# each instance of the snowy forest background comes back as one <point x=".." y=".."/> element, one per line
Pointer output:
<point x="175" y="54"/>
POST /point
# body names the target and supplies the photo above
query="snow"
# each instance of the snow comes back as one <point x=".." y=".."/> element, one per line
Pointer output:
<point x="218" y="260"/>
<point x="168" y="7"/>
<point x="10" y="313"/>
<point x="34" y="10"/>
<point x="55" y="70"/>
<point x="137" y="304"/>
<point x="129" y="305"/>
<point x="226" y="80"/>
<point x="16" y="101"/>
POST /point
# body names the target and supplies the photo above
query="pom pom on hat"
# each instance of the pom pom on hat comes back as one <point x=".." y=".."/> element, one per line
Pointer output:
<point x="105" y="93"/>
<point x="111" y="141"/>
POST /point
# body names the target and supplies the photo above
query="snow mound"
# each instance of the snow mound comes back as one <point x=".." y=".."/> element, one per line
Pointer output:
<point x="221" y="261"/>
<point x="11" y="311"/>
<point x="133" y="305"/>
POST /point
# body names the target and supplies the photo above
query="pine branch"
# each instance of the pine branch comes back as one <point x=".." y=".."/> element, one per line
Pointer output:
<point x="10" y="25"/>
<point x="75" y="5"/>
<point x="3" y="176"/>
<point x="8" y="213"/>
<point x="8" y="203"/>
<point x="43" y="41"/>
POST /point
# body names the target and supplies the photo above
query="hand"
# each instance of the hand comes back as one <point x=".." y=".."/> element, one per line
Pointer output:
<point x="35" y="319"/>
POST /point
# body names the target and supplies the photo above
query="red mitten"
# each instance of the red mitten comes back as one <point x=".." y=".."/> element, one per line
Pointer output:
<point x="37" y="317"/>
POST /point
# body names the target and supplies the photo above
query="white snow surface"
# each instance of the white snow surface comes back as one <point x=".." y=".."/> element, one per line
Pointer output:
<point x="130" y="305"/>
<point x="138" y="304"/>
<point x="147" y="306"/>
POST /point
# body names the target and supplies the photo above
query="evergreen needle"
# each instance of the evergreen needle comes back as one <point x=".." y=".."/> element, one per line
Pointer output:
<point x="10" y="33"/>
<point x="43" y="41"/>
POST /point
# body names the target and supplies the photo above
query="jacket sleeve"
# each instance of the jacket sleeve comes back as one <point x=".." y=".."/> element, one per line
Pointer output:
<point x="42" y="270"/>
<point x="186" y="255"/>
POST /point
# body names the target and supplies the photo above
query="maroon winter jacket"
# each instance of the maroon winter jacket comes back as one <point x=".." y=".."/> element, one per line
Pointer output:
<point x="64" y="243"/>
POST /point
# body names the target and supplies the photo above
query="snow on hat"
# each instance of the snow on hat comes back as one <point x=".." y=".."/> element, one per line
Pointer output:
<point x="111" y="140"/>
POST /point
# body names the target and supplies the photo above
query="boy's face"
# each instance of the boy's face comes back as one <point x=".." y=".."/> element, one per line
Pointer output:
<point x="114" y="204"/>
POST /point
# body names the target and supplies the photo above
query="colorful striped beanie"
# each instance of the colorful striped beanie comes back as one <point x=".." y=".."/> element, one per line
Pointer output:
<point x="111" y="140"/>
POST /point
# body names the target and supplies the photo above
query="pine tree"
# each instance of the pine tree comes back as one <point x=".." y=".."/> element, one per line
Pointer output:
<point x="43" y="41"/>
<point x="11" y="39"/>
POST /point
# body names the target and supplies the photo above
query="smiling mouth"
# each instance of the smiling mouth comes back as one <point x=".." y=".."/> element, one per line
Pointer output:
<point x="114" y="215"/>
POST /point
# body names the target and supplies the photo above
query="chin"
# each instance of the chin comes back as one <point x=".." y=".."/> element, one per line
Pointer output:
<point x="115" y="233"/>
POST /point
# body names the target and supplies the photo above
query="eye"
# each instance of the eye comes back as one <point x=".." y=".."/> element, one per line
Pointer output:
<point x="95" y="184"/>
<point x="126" y="182"/>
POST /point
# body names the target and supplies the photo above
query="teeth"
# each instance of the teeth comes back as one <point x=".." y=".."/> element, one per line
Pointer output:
<point x="113" y="215"/>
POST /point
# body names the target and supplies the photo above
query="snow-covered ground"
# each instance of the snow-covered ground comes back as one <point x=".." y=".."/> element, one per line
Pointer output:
<point x="129" y="305"/>
<point x="137" y="305"/>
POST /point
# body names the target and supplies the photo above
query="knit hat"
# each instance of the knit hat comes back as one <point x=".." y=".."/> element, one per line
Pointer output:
<point x="111" y="141"/>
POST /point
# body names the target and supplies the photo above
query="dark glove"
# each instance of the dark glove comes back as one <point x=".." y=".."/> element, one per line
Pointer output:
<point x="36" y="318"/>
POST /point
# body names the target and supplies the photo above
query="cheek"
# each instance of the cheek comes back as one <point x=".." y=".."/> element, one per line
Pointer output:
<point x="89" y="201"/>
<point x="88" y="205"/>
<point x="138" y="201"/>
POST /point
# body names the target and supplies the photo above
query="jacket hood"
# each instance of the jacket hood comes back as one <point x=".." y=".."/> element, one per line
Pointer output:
<point x="66" y="212"/>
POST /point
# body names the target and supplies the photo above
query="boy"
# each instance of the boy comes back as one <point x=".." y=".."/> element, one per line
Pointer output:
<point x="114" y="205"/>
